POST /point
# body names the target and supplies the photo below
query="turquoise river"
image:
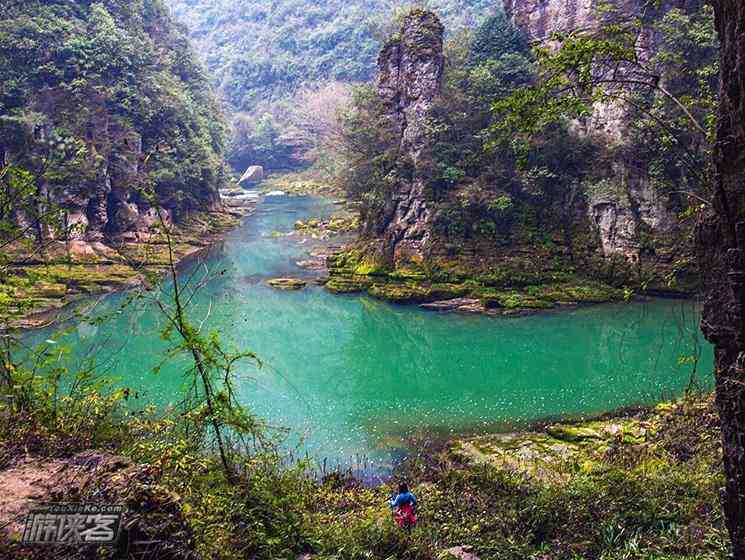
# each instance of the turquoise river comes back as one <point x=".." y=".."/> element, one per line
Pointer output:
<point x="357" y="380"/>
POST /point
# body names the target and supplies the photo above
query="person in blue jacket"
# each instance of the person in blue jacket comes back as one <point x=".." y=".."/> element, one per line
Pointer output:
<point x="404" y="505"/>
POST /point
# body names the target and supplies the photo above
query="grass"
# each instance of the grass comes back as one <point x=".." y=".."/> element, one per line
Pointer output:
<point x="651" y="496"/>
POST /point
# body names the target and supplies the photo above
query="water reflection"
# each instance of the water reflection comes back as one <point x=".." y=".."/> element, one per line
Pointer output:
<point x="351" y="376"/>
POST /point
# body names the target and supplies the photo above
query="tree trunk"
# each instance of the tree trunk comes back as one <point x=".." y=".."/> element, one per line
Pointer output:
<point x="721" y="243"/>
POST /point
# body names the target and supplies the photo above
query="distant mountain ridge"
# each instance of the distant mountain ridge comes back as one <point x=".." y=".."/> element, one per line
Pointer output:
<point x="261" y="51"/>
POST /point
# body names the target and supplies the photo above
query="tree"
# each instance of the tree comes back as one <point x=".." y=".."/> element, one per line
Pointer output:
<point x="721" y="243"/>
<point x="668" y="91"/>
<point x="496" y="37"/>
<point x="641" y="90"/>
<point x="315" y="127"/>
<point x="210" y="410"/>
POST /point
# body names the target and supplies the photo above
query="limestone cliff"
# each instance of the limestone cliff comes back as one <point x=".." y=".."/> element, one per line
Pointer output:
<point x="625" y="206"/>
<point x="447" y="211"/>
<point x="100" y="103"/>
<point x="410" y="72"/>
<point x="541" y="18"/>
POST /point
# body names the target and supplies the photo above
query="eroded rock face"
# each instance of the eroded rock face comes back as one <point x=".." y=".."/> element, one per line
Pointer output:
<point x="253" y="174"/>
<point x="409" y="80"/>
<point x="631" y="207"/>
<point x="541" y="18"/>
<point x="105" y="205"/>
<point x="621" y="217"/>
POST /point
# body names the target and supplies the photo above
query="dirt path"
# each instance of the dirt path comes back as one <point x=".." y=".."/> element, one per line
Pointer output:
<point x="32" y="482"/>
<point x="23" y="487"/>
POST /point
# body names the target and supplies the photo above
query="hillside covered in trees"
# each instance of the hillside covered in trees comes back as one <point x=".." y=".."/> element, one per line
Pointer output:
<point x="260" y="54"/>
<point x="108" y="126"/>
<point x="99" y="101"/>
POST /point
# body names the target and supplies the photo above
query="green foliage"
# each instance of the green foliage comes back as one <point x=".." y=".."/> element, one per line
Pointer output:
<point x="370" y="148"/>
<point x="18" y="195"/>
<point x="90" y="90"/>
<point x="488" y="64"/>
<point x="260" y="142"/>
<point x="568" y="85"/>
<point x="657" y="500"/>
<point x="45" y="407"/>
<point x="495" y="38"/>
<point x="669" y="96"/>
<point x="260" y="53"/>
<point x="259" y="56"/>
<point x="491" y="63"/>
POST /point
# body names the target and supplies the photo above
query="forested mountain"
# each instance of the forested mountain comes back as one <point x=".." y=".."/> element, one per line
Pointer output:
<point x="99" y="101"/>
<point x="262" y="51"/>
<point x="259" y="54"/>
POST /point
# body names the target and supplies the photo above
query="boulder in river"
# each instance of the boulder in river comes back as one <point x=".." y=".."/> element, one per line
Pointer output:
<point x="287" y="283"/>
<point x="253" y="174"/>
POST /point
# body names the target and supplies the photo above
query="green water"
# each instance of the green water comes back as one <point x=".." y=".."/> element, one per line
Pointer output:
<point x="354" y="377"/>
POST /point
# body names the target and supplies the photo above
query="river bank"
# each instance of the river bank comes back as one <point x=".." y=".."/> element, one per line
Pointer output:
<point x="69" y="272"/>
<point x="514" y="286"/>
<point x="496" y="282"/>
<point x="641" y="485"/>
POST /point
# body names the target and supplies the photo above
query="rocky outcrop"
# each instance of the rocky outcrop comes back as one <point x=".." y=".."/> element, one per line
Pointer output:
<point x="541" y="18"/>
<point x="623" y="208"/>
<point x="409" y="79"/>
<point x="253" y="174"/>
<point x="287" y="284"/>
<point x="103" y="202"/>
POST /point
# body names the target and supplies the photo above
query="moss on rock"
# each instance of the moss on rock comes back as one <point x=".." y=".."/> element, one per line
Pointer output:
<point x="514" y="286"/>
<point x="348" y="284"/>
<point x="400" y="293"/>
<point x="287" y="283"/>
<point x="560" y="449"/>
<point x="371" y="268"/>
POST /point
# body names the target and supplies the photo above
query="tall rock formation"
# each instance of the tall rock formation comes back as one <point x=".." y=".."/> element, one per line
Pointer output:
<point x="409" y="79"/>
<point x="540" y="18"/>
<point x="721" y="245"/>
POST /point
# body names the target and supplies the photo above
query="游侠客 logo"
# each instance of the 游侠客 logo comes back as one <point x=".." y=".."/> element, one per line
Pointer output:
<point x="74" y="524"/>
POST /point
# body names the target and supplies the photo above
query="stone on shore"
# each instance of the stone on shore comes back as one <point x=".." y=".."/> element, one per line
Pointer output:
<point x="460" y="305"/>
<point x="458" y="553"/>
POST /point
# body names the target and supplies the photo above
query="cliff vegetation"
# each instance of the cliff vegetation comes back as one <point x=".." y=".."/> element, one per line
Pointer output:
<point x="103" y="111"/>
<point x="587" y="157"/>
<point x="261" y="55"/>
